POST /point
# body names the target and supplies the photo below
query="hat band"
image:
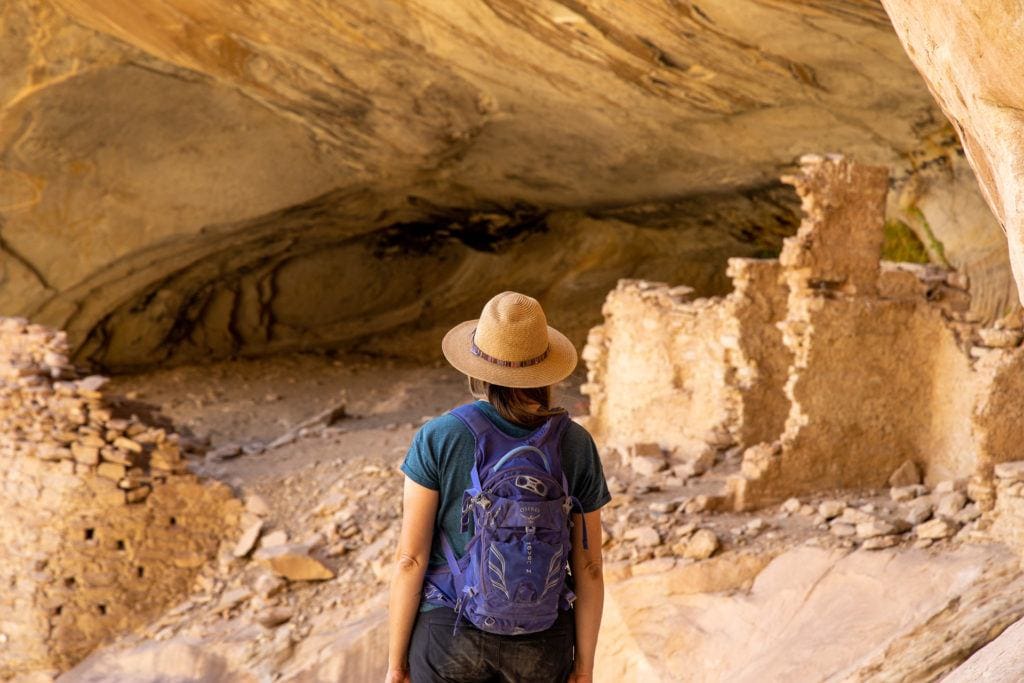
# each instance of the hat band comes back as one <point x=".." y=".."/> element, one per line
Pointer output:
<point x="475" y="350"/>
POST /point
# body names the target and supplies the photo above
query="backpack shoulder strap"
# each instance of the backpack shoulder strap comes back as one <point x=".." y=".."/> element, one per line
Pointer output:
<point x="551" y="433"/>
<point x="480" y="427"/>
<point x="474" y="419"/>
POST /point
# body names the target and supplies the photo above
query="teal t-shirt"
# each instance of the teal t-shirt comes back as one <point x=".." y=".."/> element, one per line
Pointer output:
<point x="441" y="458"/>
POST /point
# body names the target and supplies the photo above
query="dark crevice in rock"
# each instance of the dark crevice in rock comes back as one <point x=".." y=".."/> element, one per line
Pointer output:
<point x="317" y="277"/>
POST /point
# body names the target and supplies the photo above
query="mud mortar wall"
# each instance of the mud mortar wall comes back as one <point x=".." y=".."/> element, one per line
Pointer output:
<point x="103" y="527"/>
<point x="829" y="367"/>
<point x="762" y="363"/>
<point x="642" y="386"/>
<point x="876" y="389"/>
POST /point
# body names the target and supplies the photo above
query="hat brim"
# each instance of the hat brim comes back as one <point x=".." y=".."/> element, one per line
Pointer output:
<point x="559" y="364"/>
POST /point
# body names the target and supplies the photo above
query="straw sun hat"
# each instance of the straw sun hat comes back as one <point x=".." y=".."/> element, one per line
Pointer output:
<point x="510" y="345"/>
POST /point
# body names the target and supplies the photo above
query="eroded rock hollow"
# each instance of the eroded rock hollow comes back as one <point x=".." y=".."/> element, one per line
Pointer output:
<point x="184" y="181"/>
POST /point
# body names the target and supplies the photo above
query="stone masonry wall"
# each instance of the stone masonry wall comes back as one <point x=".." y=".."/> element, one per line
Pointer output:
<point x="103" y="526"/>
<point x="667" y="369"/>
<point x="667" y="350"/>
<point x="829" y="367"/>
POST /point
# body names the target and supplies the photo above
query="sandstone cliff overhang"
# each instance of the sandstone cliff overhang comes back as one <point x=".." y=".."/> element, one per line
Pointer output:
<point x="182" y="180"/>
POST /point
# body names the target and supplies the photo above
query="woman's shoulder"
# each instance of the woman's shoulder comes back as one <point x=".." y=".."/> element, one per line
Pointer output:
<point x="576" y="439"/>
<point x="442" y="428"/>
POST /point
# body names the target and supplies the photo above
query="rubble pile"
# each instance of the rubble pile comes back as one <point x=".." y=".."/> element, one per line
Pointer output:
<point x="103" y="524"/>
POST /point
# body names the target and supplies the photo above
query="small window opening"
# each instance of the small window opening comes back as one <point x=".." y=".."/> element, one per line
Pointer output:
<point x="141" y="571"/>
<point x="120" y="544"/>
<point x="69" y="582"/>
<point x="101" y="608"/>
<point x="57" y="610"/>
<point x="90" y="533"/>
<point x="173" y="521"/>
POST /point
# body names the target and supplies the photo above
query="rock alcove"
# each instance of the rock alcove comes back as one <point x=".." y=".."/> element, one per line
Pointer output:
<point x="183" y="181"/>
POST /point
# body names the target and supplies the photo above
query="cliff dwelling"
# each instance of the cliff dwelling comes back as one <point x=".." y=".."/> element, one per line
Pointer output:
<point x="784" y="238"/>
<point x="814" y="367"/>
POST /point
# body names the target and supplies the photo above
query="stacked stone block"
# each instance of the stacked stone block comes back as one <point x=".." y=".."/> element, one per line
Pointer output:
<point x="101" y="524"/>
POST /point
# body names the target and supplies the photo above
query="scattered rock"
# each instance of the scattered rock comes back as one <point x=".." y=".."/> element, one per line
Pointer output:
<point x="948" y="486"/>
<point x="968" y="514"/>
<point x="697" y="463"/>
<point x="247" y="541"/>
<point x="754" y="526"/>
<point x="274" y="538"/>
<point x="257" y="505"/>
<point x="719" y="438"/>
<point x="274" y="616"/>
<point x="902" y="494"/>
<point x="918" y="510"/>
<point x="950" y="504"/>
<point x="644" y="536"/>
<point x="697" y="505"/>
<point x="831" y="508"/>
<point x="843" y="530"/>
<point x="225" y="452"/>
<point x="853" y="516"/>
<point x="879" y="542"/>
<point x="233" y="598"/>
<point x="647" y="466"/>
<point x="873" y="528"/>
<point x="1012" y="471"/>
<point x="936" y="529"/>
<point x="268" y="585"/>
<point x="701" y="545"/>
<point x="663" y="507"/>
<point x="293" y="562"/>
<point x="906" y="474"/>
<point x="792" y="505"/>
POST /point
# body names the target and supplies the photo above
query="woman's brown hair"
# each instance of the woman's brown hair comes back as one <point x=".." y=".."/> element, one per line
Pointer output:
<point x="528" y="408"/>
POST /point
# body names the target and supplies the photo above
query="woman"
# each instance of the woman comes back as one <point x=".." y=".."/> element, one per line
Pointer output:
<point x="512" y="358"/>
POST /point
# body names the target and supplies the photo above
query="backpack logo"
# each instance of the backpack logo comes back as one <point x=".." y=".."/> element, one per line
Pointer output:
<point x="530" y="513"/>
<point x="532" y="484"/>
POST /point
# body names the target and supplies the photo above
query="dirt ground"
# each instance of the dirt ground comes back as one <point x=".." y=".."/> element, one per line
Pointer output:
<point x="335" y="486"/>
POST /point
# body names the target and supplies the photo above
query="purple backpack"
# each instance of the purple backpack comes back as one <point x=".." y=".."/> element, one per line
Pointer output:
<point x="511" y="579"/>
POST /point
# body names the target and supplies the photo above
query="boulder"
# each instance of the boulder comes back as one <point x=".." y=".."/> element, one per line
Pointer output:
<point x="293" y="562"/>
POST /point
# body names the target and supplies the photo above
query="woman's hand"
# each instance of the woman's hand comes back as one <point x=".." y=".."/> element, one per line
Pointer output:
<point x="401" y="676"/>
<point x="579" y="677"/>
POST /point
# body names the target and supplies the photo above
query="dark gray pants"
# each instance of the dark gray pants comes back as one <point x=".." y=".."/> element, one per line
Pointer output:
<point x="473" y="656"/>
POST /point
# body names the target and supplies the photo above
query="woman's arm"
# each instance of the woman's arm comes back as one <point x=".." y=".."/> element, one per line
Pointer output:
<point x="588" y="575"/>
<point x="419" y="507"/>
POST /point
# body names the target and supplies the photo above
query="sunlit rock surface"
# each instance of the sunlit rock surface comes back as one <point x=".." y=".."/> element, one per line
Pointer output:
<point x="969" y="54"/>
<point x="182" y="180"/>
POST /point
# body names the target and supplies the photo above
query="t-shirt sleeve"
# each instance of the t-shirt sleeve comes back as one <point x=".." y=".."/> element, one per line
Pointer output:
<point x="421" y="464"/>
<point x="585" y="473"/>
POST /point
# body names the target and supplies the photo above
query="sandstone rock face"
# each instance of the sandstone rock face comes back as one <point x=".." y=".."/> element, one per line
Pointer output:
<point x="970" y="60"/>
<point x="999" y="661"/>
<point x="103" y="526"/>
<point x="807" y="614"/>
<point x="184" y="180"/>
<point x="813" y="614"/>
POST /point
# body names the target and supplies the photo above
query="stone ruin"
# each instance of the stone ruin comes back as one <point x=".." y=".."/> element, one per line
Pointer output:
<point x="103" y="526"/>
<point x="827" y="368"/>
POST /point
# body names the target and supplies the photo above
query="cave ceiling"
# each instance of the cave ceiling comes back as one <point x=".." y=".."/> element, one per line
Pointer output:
<point x="182" y="178"/>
